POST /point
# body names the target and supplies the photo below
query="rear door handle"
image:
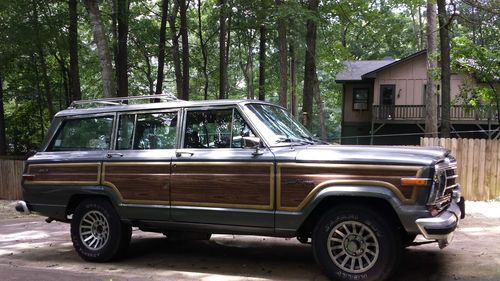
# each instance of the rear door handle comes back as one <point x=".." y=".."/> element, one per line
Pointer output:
<point x="114" y="154"/>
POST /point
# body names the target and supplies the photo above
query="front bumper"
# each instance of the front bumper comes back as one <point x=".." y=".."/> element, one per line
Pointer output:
<point x="442" y="227"/>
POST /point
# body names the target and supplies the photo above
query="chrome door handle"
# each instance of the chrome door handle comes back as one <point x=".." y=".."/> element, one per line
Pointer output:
<point x="114" y="154"/>
<point x="181" y="153"/>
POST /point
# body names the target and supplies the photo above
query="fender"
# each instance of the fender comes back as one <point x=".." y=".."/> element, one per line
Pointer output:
<point x="291" y="220"/>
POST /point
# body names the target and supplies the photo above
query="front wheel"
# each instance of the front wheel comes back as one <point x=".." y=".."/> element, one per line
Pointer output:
<point x="97" y="233"/>
<point x="355" y="243"/>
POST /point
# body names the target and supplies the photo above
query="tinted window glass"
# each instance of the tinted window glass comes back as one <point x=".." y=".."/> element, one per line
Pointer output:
<point x="222" y="128"/>
<point x="83" y="134"/>
<point x="147" y="131"/>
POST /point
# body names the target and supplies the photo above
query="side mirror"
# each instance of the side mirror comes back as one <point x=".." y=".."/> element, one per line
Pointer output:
<point x="253" y="142"/>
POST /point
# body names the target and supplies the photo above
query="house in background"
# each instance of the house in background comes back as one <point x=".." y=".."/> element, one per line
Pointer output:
<point x="384" y="103"/>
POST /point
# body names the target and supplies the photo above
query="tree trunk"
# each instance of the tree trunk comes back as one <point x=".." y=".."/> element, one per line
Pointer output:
<point x="122" y="55"/>
<point x="108" y="80"/>
<point x="64" y="76"/>
<point x="310" y="64"/>
<point x="185" y="49"/>
<point x="3" y="140"/>
<point x="222" y="50"/>
<point x="74" y="72"/>
<point x="161" y="48"/>
<point x="321" y="111"/>
<point x="175" y="49"/>
<point x="262" y="62"/>
<point x="283" y="64"/>
<point x="431" y="106"/>
<point x="444" y="25"/>
<point x="293" y="80"/>
<point x="203" y="48"/>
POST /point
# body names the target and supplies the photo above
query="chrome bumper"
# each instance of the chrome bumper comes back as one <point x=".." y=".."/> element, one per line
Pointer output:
<point x="22" y="208"/>
<point x="442" y="227"/>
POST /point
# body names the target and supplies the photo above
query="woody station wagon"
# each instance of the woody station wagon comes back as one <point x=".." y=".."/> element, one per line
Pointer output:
<point x="194" y="168"/>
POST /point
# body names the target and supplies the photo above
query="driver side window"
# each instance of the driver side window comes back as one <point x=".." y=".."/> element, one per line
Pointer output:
<point x="217" y="128"/>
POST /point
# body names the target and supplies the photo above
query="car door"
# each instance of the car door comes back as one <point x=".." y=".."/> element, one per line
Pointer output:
<point x="215" y="179"/>
<point x="138" y="166"/>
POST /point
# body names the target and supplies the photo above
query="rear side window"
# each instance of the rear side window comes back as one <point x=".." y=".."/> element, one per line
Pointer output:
<point x="83" y="134"/>
<point x="147" y="131"/>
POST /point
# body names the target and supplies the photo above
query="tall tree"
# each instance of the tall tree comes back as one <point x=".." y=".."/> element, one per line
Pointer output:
<point x="431" y="110"/>
<point x="108" y="81"/>
<point x="293" y="80"/>
<point x="444" y="39"/>
<point x="310" y="76"/>
<point x="222" y="49"/>
<point x="172" y="20"/>
<point x="203" y="49"/>
<point x="183" y="7"/>
<point x="161" y="47"/>
<point x="122" y="50"/>
<point x="74" y="73"/>
<point x="282" y="51"/>
<point x="262" y="62"/>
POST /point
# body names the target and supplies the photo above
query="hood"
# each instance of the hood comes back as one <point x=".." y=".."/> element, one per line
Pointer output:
<point x="399" y="155"/>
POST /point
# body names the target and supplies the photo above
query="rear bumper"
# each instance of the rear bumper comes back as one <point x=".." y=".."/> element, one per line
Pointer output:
<point x="442" y="227"/>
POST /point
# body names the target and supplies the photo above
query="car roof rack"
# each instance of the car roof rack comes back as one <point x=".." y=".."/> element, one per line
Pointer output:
<point x="120" y="101"/>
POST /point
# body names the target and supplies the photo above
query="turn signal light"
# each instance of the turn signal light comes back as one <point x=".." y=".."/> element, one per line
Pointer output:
<point x="414" y="181"/>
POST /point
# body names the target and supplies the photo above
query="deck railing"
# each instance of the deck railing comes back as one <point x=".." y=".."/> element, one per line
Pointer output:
<point x="417" y="113"/>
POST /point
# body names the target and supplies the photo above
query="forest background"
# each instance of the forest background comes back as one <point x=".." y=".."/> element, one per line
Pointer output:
<point x="286" y="52"/>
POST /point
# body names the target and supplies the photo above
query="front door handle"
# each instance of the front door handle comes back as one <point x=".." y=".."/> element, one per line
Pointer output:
<point x="114" y="154"/>
<point x="181" y="153"/>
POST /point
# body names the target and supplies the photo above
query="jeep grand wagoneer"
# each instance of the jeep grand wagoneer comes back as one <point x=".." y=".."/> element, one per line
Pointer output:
<point x="240" y="167"/>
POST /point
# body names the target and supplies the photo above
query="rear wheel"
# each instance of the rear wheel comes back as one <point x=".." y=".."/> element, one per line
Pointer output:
<point x="355" y="243"/>
<point x="97" y="232"/>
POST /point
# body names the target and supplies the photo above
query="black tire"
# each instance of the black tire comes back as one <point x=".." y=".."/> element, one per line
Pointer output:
<point x="97" y="232"/>
<point x="373" y="243"/>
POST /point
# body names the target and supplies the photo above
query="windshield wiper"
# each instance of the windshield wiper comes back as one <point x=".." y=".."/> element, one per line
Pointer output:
<point x="313" y="140"/>
<point x="293" y="140"/>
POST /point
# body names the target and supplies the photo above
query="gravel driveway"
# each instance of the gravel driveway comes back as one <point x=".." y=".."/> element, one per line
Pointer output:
<point x="31" y="249"/>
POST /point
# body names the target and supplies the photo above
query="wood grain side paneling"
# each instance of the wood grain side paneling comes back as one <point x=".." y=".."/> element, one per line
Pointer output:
<point x="139" y="182"/>
<point x="297" y="182"/>
<point x="239" y="185"/>
<point x="66" y="173"/>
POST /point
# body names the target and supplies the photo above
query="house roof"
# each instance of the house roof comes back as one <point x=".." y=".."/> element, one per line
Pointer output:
<point x="354" y="70"/>
<point x="360" y="70"/>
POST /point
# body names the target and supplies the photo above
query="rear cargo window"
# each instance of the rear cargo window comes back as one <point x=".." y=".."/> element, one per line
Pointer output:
<point x="147" y="131"/>
<point x="83" y="134"/>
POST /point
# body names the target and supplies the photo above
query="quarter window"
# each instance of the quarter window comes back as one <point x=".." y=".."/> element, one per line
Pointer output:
<point x="83" y="134"/>
<point x="147" y="131"/>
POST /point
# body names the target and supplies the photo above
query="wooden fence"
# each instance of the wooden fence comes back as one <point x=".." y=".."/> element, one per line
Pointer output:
<point x="478" y="165"/>
<point x="11" y="171"/>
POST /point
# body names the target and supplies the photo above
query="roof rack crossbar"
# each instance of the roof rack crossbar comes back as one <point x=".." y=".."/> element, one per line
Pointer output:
<point x="116" y="101"/>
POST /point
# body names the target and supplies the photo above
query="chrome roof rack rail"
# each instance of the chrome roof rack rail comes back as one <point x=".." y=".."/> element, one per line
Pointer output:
<point x="118" y="101"/>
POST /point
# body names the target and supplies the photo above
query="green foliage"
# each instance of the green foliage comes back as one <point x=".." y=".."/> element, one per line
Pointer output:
<point x="347" y="29"/>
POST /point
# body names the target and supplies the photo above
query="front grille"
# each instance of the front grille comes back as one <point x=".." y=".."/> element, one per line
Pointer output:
<point x="445" y="180"/>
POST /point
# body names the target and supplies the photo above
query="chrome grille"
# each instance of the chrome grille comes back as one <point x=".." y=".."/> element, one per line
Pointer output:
<point x="445" y="180"/>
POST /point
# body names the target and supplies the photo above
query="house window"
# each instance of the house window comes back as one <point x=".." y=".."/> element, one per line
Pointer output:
<point x="360" y="99"/>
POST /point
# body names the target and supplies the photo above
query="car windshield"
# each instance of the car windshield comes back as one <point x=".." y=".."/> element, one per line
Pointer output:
<point x="279" y="126"/>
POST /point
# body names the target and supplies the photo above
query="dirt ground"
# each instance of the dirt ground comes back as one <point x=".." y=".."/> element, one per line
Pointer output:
<point x="31" y="249"/>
